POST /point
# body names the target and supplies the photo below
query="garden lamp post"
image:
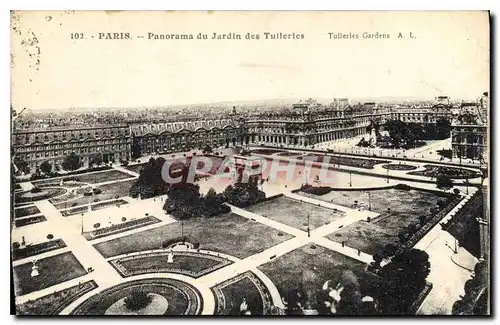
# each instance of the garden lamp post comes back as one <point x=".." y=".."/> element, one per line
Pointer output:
<point x="82" y="222"/>
<point x="369" y="201"/>
<point x="308" y="226"/>
<point x="350" y="178"/>
<point x="387" y="175"/>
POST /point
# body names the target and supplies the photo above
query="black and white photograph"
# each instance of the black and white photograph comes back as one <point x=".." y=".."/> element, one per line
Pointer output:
<point x="250" y="163"/>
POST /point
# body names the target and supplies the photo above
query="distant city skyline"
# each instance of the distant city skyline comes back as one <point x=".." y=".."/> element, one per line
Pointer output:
<point x="256" y="102"/>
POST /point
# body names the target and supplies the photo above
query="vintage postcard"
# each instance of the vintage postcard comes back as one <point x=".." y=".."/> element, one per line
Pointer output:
<point x="250" y="163"/>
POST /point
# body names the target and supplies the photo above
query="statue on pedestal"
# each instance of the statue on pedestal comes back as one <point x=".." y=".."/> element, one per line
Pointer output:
<point x="34" y="270"/>
<point x="170" y="257"/>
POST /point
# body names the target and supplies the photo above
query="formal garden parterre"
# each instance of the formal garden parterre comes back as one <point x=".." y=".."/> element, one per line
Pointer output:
<point x="54" y="303"/>
<point x="19" y="252"/>
<point x="245" y="287"/>
<point x="29" y="220"/>
<point x="403" y="212"/>
<point x="25" y="211"/>
<point x="230" y="234"/>
<point x="107" y="192"/>
<point x="120" y="227"/>
<point x="451" y="172"/>
<point x="190" y="263"/>
<point x="52" y="270"/>
<point x="399" y="167"/>
<point x="155" y="296"/>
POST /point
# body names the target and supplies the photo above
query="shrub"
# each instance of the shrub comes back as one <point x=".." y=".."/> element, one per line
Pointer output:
<point x="316" y="190"/>
<point x="456" y="191"/>
<point x="50" y="236"/>
<point x="402" y="187"/>
<point x="74" y="204"/>
<point x="124" y="219"/>
<point x="87" y="193"/>
<point x="402" y="236"/>
<point x="368" y="219"/>
<point x="16" y="245"/>
<point x="96" y="199"/>
<point x="389" y="249"/>
<point x="137" y="300"/>
<point x="36" y="190"/>
<point x="97" y="191"/>
<point x="97" y="225"/>
<point x="412" y="228"/>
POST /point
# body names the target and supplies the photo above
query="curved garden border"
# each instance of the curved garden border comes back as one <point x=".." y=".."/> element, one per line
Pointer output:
<point x="192" y="295"/>
<point x="18" y="199"/>
<point x="117" y="264"/>
<point x="399" y="167"/>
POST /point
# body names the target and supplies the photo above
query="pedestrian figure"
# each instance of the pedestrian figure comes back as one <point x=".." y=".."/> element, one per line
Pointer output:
<point x="359" y="252"/>
<point x="343" y="243"/>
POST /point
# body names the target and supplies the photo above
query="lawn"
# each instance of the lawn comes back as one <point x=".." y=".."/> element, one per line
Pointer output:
<point x="230" y="294"/>
<point x="400" y="202"/>
<point x="109" y="191"/>
<point x="398" y="209"/>
<point x="294" y="213"/>
<point x="53" y="270"/>
<point x="54" y="303"/>
<point x="230" y="234"/>
<point x="192" y="264"/>
<point x="25" y="211"/>
<point x="307" y="269"/>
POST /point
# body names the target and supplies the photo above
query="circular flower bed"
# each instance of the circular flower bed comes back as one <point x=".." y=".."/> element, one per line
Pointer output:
<point x="399" y="167"/>
<point x="165" y="297"/>
<point x="45" y="193"/>
<point x="451" y="172"/>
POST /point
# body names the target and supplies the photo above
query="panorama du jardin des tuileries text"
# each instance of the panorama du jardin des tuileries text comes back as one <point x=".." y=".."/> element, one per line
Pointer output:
<point x="243" y="36"/>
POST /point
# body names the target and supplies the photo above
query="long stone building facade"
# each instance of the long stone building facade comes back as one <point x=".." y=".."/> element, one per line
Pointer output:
<point x="35" y="146"/>
<point x="469" y="133"/>
<point x="163" y="138"/>
<point x="304" y="124"/>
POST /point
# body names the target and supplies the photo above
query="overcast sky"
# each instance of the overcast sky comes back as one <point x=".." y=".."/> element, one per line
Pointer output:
<point x="450" y="56"/>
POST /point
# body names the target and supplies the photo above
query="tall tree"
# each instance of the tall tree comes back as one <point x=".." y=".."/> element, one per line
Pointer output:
<point x="443" y="128"/>
<point x="444" y="182"/>
<point x="150" y="182"/>
<point x="135" y="150"/>
<point x="46" y="167"/>
<point x="71" y="162"/>
<point x="21" y="165"/>
<point x="402" y="280"/>
<point x="95" y="159"/>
